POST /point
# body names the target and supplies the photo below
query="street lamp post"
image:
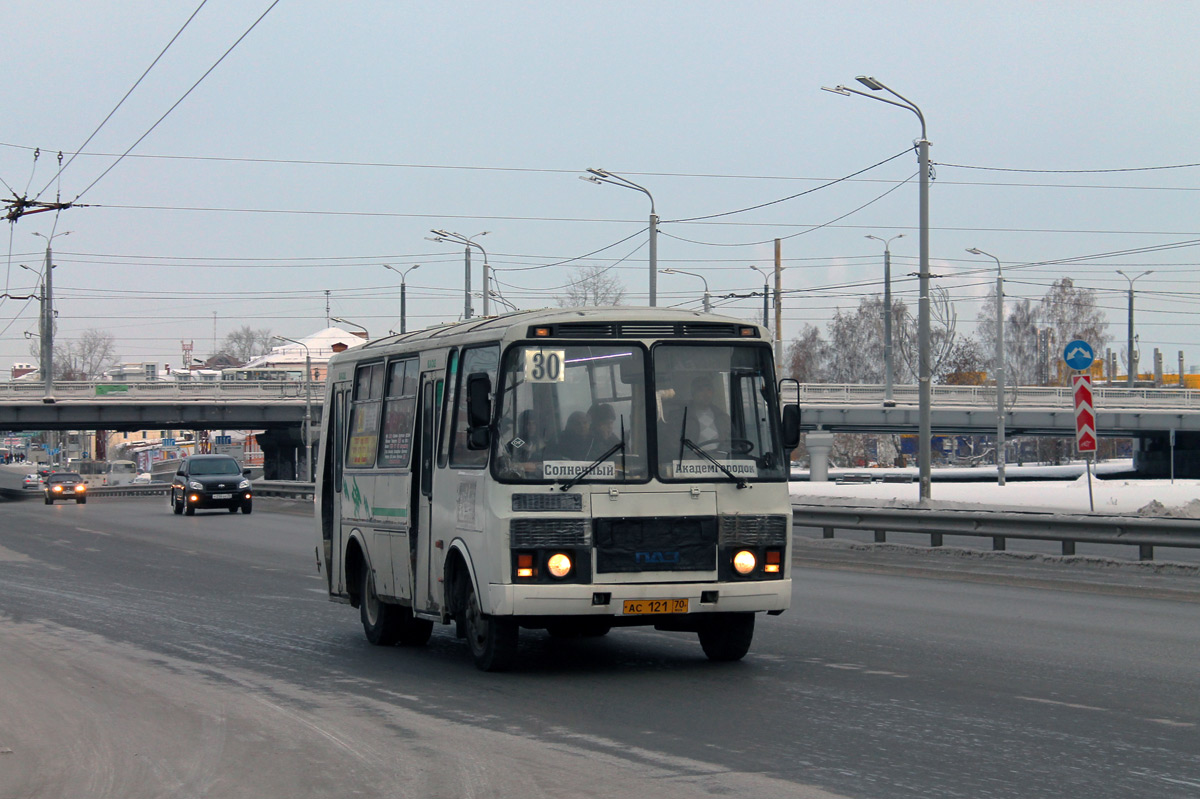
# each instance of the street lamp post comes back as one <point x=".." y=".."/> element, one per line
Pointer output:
<point x="604" y="176"/>
<point x="366" y="332"/>
<point x="889" y="369"/>
<point x="47" y="323"/>
<point x="766" y="296"/>
<point x="999" y="364"/>
<point x="924" y="376"/>
<point x="308" y="461"/>
<point x="1129" y="379"/>
<point x="468" y="242"/>
<point x="707" y="296"/>
<point x="403" y="299"/>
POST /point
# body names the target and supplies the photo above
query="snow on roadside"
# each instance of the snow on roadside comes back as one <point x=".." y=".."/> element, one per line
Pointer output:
<point x="1180" y="499"/>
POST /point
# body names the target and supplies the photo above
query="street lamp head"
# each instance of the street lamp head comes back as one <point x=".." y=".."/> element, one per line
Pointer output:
<point x="842" y="90"/>
<point x="870" y="83"/>
<point x="597" y="172"/>
<point x="667" y="271"/>
<point x="591" y="179"/>
<point x="975" y="251"/>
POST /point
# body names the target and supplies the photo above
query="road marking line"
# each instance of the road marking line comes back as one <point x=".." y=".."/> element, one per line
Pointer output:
<point x="1063" y="704"/>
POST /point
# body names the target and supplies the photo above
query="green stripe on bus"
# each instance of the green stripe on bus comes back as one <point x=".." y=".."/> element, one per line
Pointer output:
<point x="401" y="512"/>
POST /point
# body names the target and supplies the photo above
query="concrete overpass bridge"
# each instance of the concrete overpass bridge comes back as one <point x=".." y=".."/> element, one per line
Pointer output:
<point x="1145" y="414"/>
<point x="276" y="407"/>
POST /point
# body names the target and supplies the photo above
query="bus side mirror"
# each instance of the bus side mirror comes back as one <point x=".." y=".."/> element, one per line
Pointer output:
<point x="479" y="410"/>
<point x="791" y="426"/>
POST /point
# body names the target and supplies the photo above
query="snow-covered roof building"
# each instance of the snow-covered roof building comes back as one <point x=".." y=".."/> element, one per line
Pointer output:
<point x="322" y="345"/>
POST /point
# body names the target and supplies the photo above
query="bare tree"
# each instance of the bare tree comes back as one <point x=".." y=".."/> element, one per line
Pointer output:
<point x="805" y="358"/>
<point x="593" y="286"/>
<point x="1072" y="314"/>
<point x="943" y="333"/>
<point x="245" y="343"/>
<point x="82" y="358"/>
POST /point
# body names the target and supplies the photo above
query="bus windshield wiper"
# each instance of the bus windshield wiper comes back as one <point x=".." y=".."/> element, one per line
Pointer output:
<point x="684" y="441"/>
<point x="617" y="447"/>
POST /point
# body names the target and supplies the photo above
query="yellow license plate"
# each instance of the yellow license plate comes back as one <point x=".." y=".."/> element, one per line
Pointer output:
<point x="643" y="607"/>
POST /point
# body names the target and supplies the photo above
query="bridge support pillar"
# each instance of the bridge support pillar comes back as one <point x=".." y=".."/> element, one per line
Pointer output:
<point x="818" y="443"/>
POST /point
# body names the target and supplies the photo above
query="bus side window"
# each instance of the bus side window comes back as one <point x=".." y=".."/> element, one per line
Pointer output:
<point x="445" y="401"/>
<point x="475" y="360"/>
<point x="399" y="412"/>
<point x="364" y="416"/>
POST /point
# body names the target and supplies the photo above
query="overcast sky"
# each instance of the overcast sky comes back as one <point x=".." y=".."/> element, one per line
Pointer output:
<point x="334" y="136"/>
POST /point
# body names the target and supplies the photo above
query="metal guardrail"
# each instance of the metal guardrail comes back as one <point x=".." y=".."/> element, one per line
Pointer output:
<point x="1069" y="529"/>
<point x="283" y="489"/>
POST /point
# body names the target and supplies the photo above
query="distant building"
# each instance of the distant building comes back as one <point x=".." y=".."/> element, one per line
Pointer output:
<point x="20" y="370"/>
<point x="322" y="345"/>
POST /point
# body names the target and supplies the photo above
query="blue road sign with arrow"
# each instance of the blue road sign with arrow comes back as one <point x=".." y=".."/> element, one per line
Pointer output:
<point x="1079" y="355"/>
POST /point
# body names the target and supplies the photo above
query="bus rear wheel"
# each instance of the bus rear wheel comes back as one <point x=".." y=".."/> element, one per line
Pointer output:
<point x="727" y="636"/>
<point x="493" y="641"/>
<point x="386" y="624"/>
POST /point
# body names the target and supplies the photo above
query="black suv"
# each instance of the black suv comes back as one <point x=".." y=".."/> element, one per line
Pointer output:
<point x="210" y="481"/>
<point x="66" y="485"/>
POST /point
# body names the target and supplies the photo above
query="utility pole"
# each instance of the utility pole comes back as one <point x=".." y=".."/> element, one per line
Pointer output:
<point x="47" y="324"/>
<point x="1132" y="358"/>
<point x="778" y="302"/>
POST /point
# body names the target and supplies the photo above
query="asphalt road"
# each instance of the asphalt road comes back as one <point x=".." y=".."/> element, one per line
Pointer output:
<point x="145" y="655"/>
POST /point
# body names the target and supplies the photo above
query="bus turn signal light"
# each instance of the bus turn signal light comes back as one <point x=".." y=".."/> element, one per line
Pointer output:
<point x="525" y="566"/>
<point x="773" y="559"/>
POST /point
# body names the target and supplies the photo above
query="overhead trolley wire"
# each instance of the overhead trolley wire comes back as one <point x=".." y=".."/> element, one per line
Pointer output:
<point x="177" y="103"/>
<point x="62" y="167"/>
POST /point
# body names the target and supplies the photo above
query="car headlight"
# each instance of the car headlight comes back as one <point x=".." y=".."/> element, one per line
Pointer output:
<point x="57" y="488"/>
<point x="196" y="486"/>
<point x="81" y="487"/>
<point x="242" y="486"/>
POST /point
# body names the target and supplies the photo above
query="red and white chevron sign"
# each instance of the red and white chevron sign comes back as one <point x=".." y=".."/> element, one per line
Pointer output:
<point x="1085" y="416"/>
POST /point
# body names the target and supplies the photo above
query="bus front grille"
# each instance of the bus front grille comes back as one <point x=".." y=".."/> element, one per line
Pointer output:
<point x="548" y="533"/>
<point x="753" y="530"/>
<point x="656" y="543"/>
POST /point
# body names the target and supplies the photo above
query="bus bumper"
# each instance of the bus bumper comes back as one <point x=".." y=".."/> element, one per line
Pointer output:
<point x="609" y="599"/>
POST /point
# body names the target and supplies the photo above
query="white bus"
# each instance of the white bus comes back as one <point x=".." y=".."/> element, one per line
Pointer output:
<point x="566" y="470"/>
<point x="121" y="473"/>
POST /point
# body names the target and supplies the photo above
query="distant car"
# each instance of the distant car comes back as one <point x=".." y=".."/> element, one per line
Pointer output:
<point x="142" y="479"/>
<point x="33" y="482"/>
<point x="210" y="481"/>
<point x="65" y="485"/>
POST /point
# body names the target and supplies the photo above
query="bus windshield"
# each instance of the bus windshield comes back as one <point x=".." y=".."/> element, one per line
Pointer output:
<point x="716" y="414"/>
<point x="572" y="413"/>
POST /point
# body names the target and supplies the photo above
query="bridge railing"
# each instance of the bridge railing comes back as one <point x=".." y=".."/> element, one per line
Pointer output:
<point x="985" y="396"/>
<point x="163" y="390"/>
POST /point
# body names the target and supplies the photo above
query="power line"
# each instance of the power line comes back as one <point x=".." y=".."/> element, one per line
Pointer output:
<point x="181" y="99"/>
<point x="62" y="167"/>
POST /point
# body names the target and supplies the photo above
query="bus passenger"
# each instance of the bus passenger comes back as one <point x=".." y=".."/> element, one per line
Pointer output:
<point x="576" y="440"/>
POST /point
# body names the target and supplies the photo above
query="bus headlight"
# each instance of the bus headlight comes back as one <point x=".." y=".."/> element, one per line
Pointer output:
<point x="744" y="562"/>
<point x="559" y="565"/>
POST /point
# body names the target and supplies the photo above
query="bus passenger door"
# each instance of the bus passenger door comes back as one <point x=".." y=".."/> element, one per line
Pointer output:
<point x="333" y="450"/>
<point x="420" y="527"/>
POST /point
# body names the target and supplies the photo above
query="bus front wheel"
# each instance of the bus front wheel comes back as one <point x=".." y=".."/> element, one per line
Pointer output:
<point x="727" y="636"/>
<point x="493" y="641"/>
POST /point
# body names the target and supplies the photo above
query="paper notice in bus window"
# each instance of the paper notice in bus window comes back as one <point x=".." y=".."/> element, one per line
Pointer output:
<point x="565" y="470"/>
<point x="705" y="469"/>
<point x="545" y="366"/>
